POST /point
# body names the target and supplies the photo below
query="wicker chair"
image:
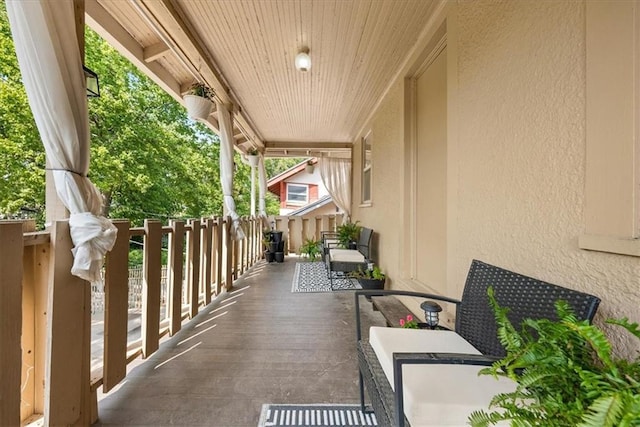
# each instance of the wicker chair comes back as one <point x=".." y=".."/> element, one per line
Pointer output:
<point x="475" y="322"/>
<point x="339" y="260"/>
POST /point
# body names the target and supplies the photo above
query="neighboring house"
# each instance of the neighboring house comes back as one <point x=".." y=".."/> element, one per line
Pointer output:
<point x="300" y="190"/>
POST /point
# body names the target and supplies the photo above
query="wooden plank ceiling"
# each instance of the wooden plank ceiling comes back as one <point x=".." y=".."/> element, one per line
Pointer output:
<point x="245" y="50"/>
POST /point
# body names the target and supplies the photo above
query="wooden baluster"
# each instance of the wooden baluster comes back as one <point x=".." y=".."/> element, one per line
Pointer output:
<point x="193" y="260"/>
<point x="207" y="254"/>
<point x="11" y="252"/>
<point x="116" y="310"/>
<point x="151" y="266"/>
<point x="229" y="248"/>
<point x="218" y="258"/>
<point x="175" y="270"/>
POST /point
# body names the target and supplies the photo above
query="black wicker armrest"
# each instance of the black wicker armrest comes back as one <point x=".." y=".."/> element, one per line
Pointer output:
<point x="376" y="293"/>
<point x="400" y="359"/>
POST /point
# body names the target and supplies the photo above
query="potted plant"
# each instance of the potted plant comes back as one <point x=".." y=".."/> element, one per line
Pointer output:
<point x="371" y="278"/>
<point x="348" y="234"/>
<point x="310" y="166"/>
<point x="269" y="256"/>
<point x="566" y="374"/>
<point x="310" y="248"/>
<point x="198" y="101"/>
<point x="252" y="157"/>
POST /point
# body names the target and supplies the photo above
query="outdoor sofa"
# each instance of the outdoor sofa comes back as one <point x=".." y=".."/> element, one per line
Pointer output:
<point x="440" y="385"/>
<point x="342" y="260"/>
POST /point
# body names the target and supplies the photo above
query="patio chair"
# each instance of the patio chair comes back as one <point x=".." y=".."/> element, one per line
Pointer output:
<point x="340" y="260"/>
<point x="446" y="362"/>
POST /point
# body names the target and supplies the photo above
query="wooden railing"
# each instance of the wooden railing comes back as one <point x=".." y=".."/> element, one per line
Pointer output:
<point x="45" y="312"/>
<point x="298" y="228"/>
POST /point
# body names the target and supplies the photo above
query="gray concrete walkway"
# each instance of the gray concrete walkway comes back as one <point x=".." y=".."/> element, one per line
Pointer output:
<point x="258" y="344"/>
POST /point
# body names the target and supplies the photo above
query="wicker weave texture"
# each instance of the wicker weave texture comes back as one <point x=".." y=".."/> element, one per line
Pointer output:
<point x="525" y="297"/>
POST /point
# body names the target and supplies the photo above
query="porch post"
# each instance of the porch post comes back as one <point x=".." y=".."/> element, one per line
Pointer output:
<point x="262" y="181"/>
<point x="54" y="208"/>
<point x="68" y="395"/>
<point x="253" y="191"/>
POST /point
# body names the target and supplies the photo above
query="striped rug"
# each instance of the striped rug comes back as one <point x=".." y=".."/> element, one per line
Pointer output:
<point x="318" y="415"/>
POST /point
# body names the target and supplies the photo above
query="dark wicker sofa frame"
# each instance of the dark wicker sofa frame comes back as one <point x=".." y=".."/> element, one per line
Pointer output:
<point x="525" y="297"/>
<point x="363" y="246"/>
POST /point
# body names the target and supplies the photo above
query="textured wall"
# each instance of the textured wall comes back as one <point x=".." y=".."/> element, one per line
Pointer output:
<point x="384" y="215"/>
<point x="519" y="157"/>
<point x="521" y="87"/>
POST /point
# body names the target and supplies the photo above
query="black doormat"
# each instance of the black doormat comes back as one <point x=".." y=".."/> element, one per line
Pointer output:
<point x="318" y="415"/>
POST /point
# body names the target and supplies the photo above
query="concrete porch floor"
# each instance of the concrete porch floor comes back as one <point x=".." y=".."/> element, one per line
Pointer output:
<point x="261" y="343"/>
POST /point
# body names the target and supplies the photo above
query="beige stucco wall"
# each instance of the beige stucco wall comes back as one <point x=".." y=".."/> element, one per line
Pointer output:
<point x="517" y="156"/>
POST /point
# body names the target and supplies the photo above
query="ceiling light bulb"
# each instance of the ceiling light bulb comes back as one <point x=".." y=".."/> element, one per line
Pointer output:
<point x="303" y="61"/>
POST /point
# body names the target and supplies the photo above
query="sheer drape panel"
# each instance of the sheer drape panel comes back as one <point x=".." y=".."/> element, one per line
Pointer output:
<point x="226" y="168"/>
<point x="336" y="177"/>
<point x="49" y="57"/>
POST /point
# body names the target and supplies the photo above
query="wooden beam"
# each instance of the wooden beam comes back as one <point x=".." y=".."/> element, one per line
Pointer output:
<point x="155" y="52"/>
<point x="312" y="146"/>
<point x="10" y="321"/>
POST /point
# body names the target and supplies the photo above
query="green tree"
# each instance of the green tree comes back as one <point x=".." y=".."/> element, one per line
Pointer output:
<point x="277" y="165"/>
<point x="147" y="158"/>
<point x="22" y="159"/>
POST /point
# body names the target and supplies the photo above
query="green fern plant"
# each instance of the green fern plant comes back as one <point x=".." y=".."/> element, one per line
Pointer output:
<point x="348" y="233"/>
<point x="310" y="248"/>
<point x="566" y="374"/>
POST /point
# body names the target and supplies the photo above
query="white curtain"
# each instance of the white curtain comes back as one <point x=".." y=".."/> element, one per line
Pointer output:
<point x="47" y="48"/>
<point x="336" y="176"/>
<point x="226" y="169"/>
<point x="262" y="188"/>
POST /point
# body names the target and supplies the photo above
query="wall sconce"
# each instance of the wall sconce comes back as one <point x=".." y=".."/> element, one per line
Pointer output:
<point x="93" y="85"/>
<point x="303" y="60"/>
<point x="431" y="310"/>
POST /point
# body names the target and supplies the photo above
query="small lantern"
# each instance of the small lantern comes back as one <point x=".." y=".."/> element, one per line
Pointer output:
<point x="431" y="310"/>
<point x="93" y="85"/>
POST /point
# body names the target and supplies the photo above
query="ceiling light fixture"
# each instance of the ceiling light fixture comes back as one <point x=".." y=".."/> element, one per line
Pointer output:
<point x="303" y="60"/>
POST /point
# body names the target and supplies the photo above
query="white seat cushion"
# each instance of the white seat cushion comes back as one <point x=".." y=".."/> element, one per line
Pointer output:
<point x="436" y="395"/>
<point x="346" y="255"/>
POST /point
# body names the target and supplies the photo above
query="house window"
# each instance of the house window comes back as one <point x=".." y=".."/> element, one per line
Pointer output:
<point x="297" y="193"/>
<point x="366" y="169"/>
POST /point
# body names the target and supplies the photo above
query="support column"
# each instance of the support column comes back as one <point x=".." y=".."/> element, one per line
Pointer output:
<point x="253" y="191"/>
<point x="68" y="355"/>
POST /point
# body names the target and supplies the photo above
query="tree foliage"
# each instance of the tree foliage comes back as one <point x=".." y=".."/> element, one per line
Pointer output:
<point x="277" y="165"/>
<point x="22" y="159"/>
<point x="148" y="158"/>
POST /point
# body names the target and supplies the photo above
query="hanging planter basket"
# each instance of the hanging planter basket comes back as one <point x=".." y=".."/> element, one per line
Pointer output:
<point x="198" y="108"/>
<point x="253" y="160"/>
<point x="309" y="168"/>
